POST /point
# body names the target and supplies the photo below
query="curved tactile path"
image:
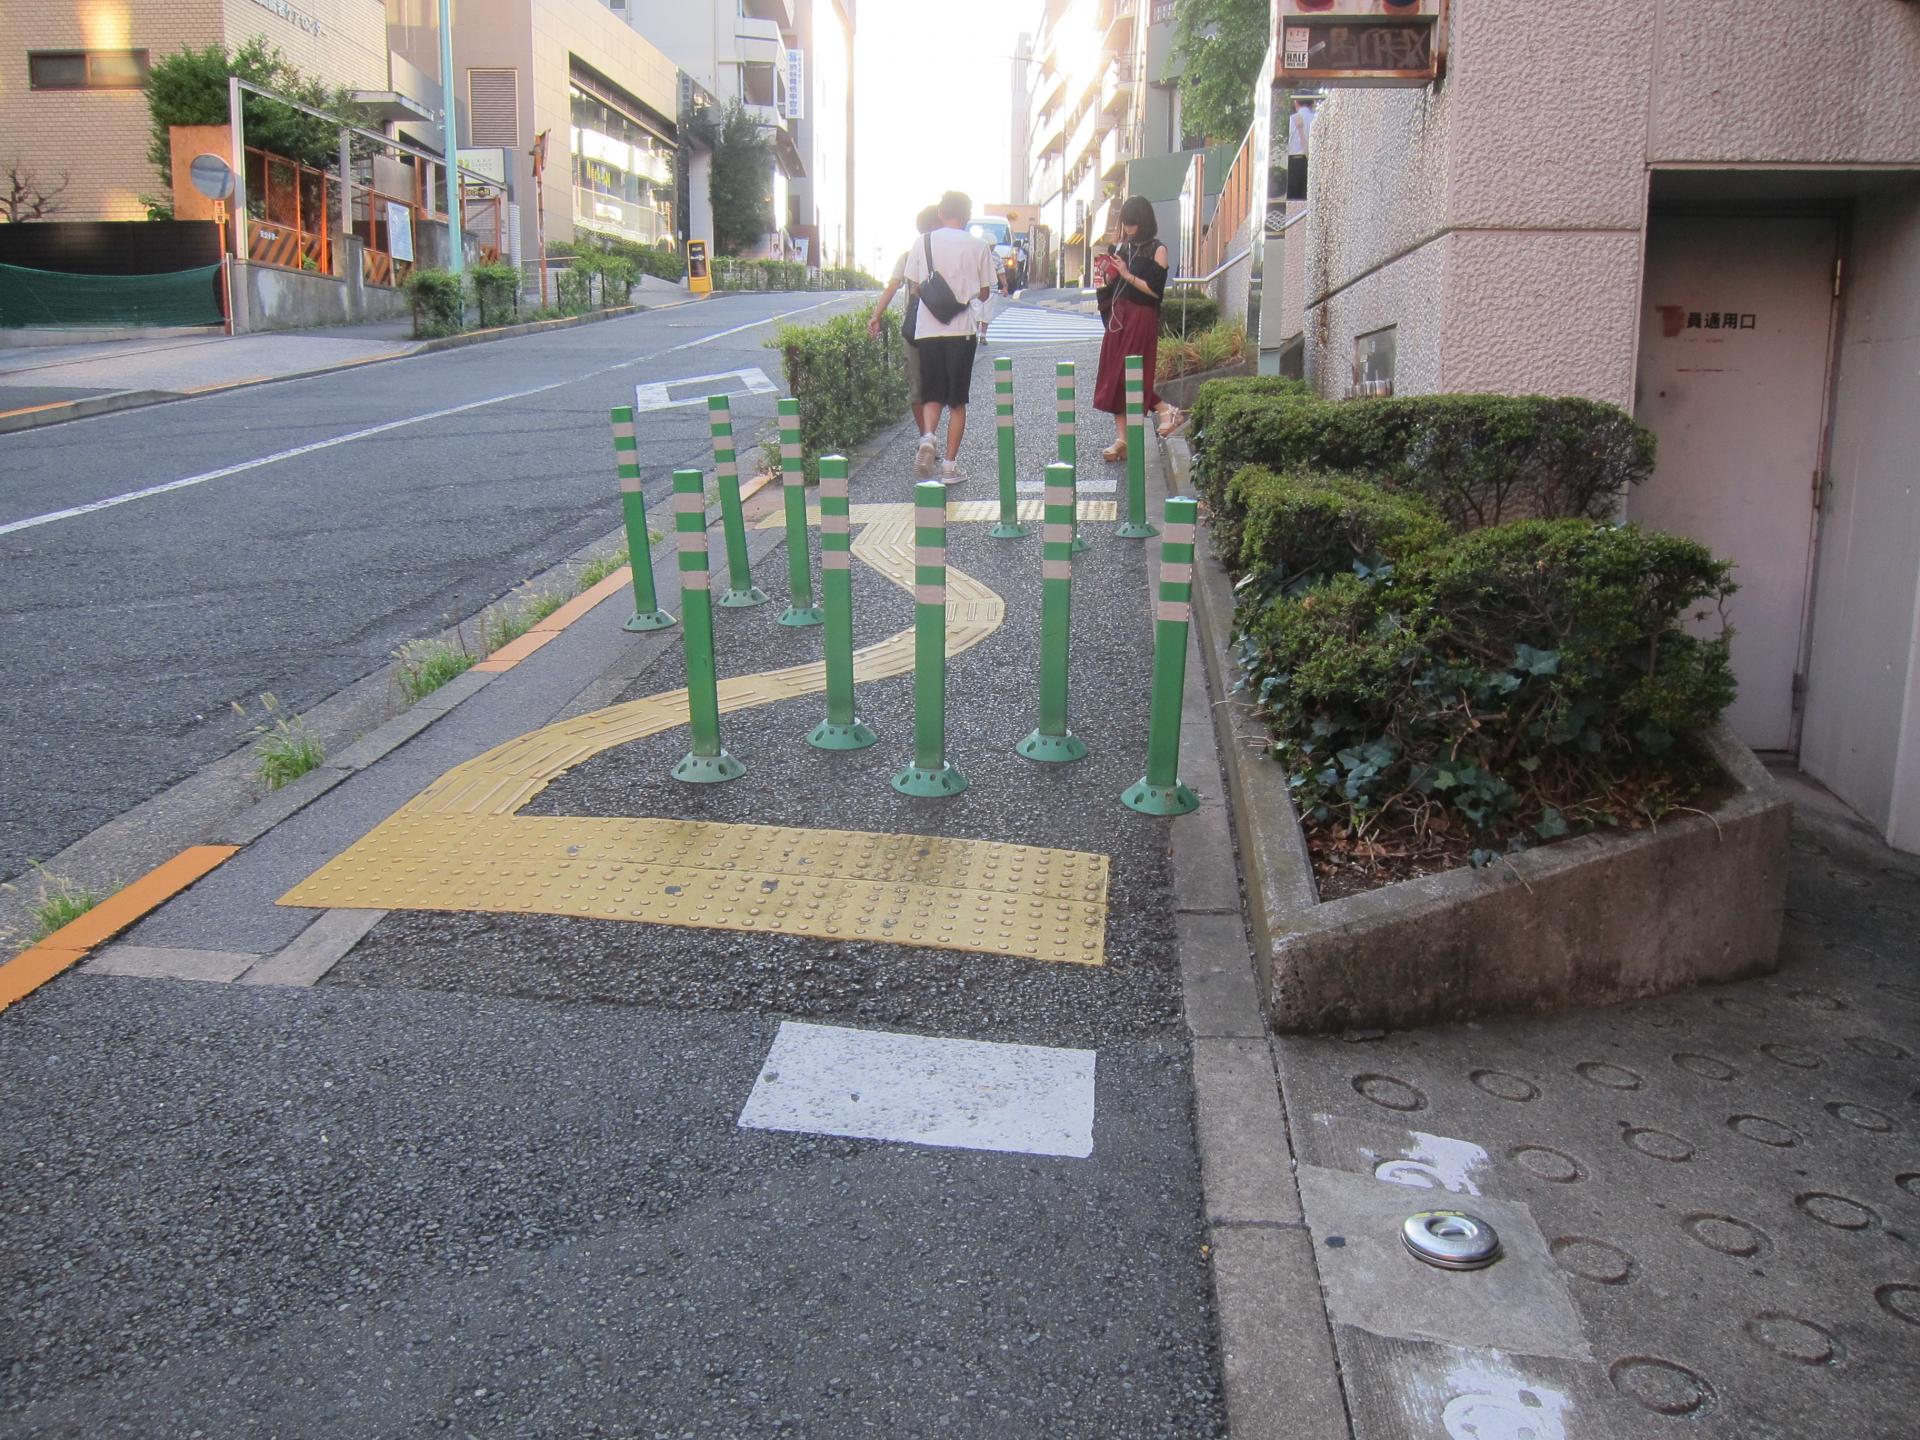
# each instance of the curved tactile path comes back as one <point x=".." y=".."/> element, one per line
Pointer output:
<point x="461" y="845"/>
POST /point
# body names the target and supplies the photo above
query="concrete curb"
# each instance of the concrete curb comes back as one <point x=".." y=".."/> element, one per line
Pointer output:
<point x="61" y="411"/>
<point x="1278" y="1370"/>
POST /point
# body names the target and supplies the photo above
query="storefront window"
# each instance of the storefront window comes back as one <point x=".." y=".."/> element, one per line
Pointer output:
<point x="622" y="173"/>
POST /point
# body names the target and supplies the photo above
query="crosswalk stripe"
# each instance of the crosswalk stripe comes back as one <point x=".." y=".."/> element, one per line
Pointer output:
<point x="1027" y="324"/>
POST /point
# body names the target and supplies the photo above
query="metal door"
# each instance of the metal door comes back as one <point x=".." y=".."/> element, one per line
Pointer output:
<point x="1736" y="324"/>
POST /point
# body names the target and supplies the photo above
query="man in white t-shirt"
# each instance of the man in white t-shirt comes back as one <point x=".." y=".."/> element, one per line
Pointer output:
<point x="947" y="346"/>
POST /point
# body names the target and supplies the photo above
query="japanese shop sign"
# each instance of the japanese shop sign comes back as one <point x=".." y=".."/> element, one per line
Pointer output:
<point x="1359" y="42"/>
<point x="1678" y="319"/>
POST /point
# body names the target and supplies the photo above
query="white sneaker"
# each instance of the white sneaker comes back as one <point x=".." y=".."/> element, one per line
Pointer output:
<point x="923" y="458"/>
<point x="950" y="474"/>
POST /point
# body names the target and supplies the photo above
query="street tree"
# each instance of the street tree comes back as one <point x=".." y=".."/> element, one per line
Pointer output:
<point x="190" y="88"/>
<point x="25" y="196"/>
<point x="1222" y="44"/>
<point x="740" y="178"/>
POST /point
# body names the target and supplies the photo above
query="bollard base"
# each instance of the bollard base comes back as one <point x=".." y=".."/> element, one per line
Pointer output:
<point x="1174" y="799"/>
<point x="658" y="620"/>
<point x="829" y="736"/>
<point x="1136" y="530"/>
<point x="1007" y="530"/>
<point x="1053" y="749"/>
<point x="934" y="784"/>
<point x="708" y="769"/>
<point x="1079" y="544"/>
<point x="741" y="599"/>
<point x="813" y="616"/>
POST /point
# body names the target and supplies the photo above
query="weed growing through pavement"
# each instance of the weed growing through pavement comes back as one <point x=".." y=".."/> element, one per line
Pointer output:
<point x="61" y="902"/>
<point x="286" y="749"/>
<point x="502" y="625"/>
<point x="602" y="566"/>
<point x="426" y="665"/>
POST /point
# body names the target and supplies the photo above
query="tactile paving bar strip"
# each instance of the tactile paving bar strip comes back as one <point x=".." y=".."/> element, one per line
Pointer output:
<point x="459" y="845"/>
<point x="974" y="895"/>
<point x="964" y="512"/>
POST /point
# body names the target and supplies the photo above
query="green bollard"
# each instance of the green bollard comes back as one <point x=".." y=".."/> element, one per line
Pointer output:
<point x="1009" y="527"/>
<point x="706" y="763"/>
<point x="1136" y="526"/>
<point x="1051" y="740"/>
<point x="793" y="488"/>
<point x="1067" y="422"/>
<point x="930" y="774"/>
<point x="1160" y="792"/>
<point x="842" y="729"/>
<point x="647" y="614"/>
<point x="741" y="591"/>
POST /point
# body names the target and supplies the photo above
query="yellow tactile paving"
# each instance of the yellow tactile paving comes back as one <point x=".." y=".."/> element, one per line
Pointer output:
<point x="964" y="512"/>
<point x="461" y="845"/>
<point x="831" y="884"/>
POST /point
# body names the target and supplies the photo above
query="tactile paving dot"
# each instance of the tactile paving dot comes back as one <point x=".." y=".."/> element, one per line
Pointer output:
<point x="1705" y="1066"/>
<point x="1794" y="1338"/>
<point x="1836" y="1210"/>
<point x="1609" y="1076"/>
<point x="1726" y="1234"/>
<point x="1861" y="1117"/>
<point x="1545" y="1163"/>
<point x="1596" y="1260"/>
<point x="1763" y="1130"/>
<point x="1504" y="1086"/>
<point x="1660" y="1385"/>
<point x="1793" y="1055"/>
<point x="1657" y="1144"/>
<point x="1390" y="1092"/>
<point x="1900" y="1300"/>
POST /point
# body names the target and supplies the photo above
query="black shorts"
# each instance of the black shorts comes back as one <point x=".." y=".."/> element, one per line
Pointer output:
<point x="946" y="369"/>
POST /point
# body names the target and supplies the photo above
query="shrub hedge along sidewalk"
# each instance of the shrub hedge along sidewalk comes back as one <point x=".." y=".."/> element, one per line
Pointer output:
<point x="850" y="385"/>
<point x="1456" y="650"/>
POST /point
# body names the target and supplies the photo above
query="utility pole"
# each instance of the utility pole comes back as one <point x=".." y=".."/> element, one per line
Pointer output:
<point x="450" y="141"/>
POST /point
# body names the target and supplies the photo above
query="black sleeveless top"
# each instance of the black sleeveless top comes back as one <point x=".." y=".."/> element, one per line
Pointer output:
<point x="1138" y="255"/>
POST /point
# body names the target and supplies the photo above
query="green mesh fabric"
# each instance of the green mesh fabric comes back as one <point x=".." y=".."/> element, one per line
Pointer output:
<point x="48" y="297"/>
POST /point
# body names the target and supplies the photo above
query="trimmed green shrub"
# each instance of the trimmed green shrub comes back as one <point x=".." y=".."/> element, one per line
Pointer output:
<point x="496" y="292"/>
<point x="1209" y="349"/>
<point x="849" y="384"/>
<point x="1481" y="459"/>
<point x="1500" y="687"/>
<point x="1187" y="312"/>
<point x="1288" y="529"/>
<point x="573" y="286"/>
<point x="617" y="274"/>
<point x="439" y="302"/>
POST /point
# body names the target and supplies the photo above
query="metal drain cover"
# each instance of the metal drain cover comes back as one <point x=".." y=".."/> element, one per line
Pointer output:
<point x="1451" y="1239"/>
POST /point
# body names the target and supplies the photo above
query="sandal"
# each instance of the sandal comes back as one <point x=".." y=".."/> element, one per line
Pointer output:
<point x="1115" y="452"/>
<point x="1171" y="419"/>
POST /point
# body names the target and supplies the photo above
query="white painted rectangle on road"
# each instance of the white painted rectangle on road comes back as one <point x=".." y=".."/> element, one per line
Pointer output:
<point x="925" y="1090"/>
<point x="1095" y="486"/>
<point x="694" y="389"/>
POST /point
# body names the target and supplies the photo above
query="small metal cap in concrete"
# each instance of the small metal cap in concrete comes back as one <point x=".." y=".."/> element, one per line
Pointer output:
<point x="1451" y="1239"/>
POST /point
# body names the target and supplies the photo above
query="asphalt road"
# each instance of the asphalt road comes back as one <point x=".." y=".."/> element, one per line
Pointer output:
<point x="355" y="512"/>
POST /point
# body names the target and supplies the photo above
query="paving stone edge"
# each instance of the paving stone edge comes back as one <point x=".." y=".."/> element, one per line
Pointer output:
<point x="1278" y="1369"/>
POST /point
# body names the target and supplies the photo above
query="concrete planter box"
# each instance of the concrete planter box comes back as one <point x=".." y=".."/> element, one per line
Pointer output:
<point x="1587" y="921"/>
<point x="1181" y="390"/>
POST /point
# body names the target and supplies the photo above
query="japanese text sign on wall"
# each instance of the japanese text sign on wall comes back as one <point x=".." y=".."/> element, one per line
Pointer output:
<point x="1359" y="42"/>
<point x="796" y="85"/>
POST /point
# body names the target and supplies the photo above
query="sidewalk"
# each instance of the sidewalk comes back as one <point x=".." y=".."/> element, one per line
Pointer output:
<point x="470" y="1148"/>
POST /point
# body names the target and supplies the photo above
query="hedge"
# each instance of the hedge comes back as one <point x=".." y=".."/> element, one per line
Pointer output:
<point x="1507" y="685"/>
<point x="1290" y="528"/>
<point x="1480" y="459"/>
<point x="1186" y="313"/>
<point x="1434" y="671"/>
<point x="849" y="384"/>
<point x="771" y="275"/>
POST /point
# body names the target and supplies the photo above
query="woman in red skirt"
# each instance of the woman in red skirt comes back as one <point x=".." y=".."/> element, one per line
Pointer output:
<point x="1133" y="278"/>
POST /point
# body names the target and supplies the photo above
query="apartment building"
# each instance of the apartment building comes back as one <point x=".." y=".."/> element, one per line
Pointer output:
<point x="790" y="63"/>
<point x="1708" y="214"/>
<point x="1097" y="100"/>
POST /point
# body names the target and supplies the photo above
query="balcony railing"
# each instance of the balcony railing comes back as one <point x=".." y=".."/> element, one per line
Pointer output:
<point x="611" y="215"/>
<point x="1121" y="145"/>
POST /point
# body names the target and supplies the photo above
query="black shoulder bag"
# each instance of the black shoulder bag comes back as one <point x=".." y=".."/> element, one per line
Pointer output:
<point x="935" y="293"/>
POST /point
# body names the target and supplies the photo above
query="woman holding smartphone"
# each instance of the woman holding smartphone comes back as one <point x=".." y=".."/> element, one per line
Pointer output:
<point x="1133" y="279"/>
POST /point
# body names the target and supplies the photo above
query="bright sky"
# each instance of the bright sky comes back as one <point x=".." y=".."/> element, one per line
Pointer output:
<point x="915" y="136"/>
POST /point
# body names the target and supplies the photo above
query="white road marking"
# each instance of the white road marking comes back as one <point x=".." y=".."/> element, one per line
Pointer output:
<point x="730" y="382"/>
<point x="924" y="1090"/>
<point x="147" y="492"/>
<point x="1029" y="324"/>
<point x="1434" y="1162"/>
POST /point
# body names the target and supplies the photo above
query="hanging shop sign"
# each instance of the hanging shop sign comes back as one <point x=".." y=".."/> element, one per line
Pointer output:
<point x="796" y="85"/>
<point x="1380" y="43"/>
